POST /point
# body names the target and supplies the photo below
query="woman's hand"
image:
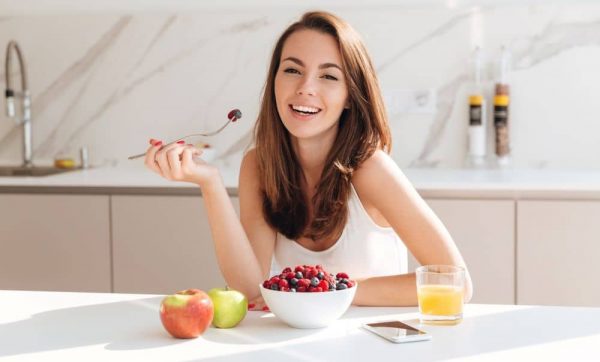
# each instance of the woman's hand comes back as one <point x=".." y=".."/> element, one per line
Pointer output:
<point x="258" y="303"/>
<point x="176" y="162"/>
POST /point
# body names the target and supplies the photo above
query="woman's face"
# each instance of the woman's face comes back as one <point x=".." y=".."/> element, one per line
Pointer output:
<point x="310" y="88"/>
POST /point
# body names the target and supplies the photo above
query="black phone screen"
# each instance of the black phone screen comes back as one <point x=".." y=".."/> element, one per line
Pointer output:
<point x="395" y="329"/>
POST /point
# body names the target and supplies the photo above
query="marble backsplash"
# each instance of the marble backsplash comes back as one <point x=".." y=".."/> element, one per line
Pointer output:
<point x="111" y="80"/>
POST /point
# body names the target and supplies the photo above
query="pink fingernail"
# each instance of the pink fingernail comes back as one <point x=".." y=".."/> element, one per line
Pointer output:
<point x="180" y="142"/>
<point x="159" y="143"/>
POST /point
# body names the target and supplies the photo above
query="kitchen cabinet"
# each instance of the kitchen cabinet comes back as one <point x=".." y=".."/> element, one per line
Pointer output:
<point x="558" y="247"/>
<point x="162" y="244"/>
<point x="484" y="233"/>
<point x="55" y="242"/>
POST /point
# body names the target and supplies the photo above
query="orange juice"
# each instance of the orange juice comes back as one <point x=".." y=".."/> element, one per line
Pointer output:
<point x="440" y="300"/>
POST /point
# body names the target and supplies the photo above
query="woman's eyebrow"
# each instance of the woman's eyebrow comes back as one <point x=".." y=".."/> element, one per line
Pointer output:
<point x="322" y="66"/>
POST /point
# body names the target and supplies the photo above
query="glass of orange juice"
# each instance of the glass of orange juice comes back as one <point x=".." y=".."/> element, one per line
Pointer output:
<point x="440" y="290"/>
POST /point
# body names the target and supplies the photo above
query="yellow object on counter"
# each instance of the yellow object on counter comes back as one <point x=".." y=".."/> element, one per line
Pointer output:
<point x="64" y="163"/>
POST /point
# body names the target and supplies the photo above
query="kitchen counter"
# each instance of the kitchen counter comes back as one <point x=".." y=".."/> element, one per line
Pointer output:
<point x="59" y="326"/>
<point x="434" y="183"/>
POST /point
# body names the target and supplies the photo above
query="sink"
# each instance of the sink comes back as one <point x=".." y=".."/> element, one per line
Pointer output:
<point x="35" y="171"/>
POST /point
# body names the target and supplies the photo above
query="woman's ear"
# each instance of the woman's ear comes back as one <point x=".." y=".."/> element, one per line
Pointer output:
<point x="347" y="105"/>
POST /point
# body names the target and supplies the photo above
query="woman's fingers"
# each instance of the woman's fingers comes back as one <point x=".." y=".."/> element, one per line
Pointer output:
<point x="163" y="162"/>
<point x="258" y="304"/>
<point x="149" y="159"/>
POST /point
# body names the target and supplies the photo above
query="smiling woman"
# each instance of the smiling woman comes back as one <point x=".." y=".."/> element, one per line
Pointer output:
<point x="319" y="186"/>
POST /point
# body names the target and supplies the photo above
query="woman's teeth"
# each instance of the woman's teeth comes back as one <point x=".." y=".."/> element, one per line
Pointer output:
<point x="306" y="110"/>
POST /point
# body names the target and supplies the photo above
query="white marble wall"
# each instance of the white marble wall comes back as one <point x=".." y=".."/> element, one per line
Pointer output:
<point x="111" y="80"/>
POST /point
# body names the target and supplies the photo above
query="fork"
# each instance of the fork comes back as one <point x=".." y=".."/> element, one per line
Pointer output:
<point x="232" y="116"/>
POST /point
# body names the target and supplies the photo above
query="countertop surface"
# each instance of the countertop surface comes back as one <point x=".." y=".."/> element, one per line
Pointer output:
<point x="61" y="326"/>
<point x="429" y="182"/>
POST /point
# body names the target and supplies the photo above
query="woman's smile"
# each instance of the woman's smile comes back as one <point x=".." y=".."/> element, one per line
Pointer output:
<point x="303" y="112"/>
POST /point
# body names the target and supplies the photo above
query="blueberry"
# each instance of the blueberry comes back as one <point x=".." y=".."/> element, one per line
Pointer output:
<point x="320" y="275"/>
<point x="341" y="286"/>
<point x="294" y="282"/>
<point x="314" y="281"/>
<point x="345" y="281"/>
<point x="275" y="286"/>
<point x="299" y="275"/>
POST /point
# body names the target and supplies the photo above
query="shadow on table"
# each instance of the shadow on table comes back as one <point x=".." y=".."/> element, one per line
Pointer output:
<point x="476" y="335"/>
<point x="126" y="325"/>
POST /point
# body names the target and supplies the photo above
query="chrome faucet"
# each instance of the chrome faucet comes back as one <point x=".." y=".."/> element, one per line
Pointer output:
<point x="25" y="98"/>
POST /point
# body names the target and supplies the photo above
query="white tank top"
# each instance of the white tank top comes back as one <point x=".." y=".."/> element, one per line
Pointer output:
<point x="364" y="249"/>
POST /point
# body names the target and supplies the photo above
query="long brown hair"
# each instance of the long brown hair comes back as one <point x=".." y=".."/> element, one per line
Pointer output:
<point x="363" y="128"/>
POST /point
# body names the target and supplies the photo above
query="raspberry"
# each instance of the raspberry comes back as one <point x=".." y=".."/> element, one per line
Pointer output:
<point x="299" y="269"/>
<point x="286" y="270"/>
<point x="290" y="275"/>
<point x="266" y="284"/>
<point x="274" y="280"/>
<point x="304" y="283"/>
<point x="319" y="267"/>
<point x="285" y="289"/>
<point x="312" y="289"/>
<point x="350" y="283"/>
<point x="323" y="285"/>
<point x="319" y="289"/>
<point x="301" y="289"/>
<point x="341" y="275"/>
<point x="283" y="284"/>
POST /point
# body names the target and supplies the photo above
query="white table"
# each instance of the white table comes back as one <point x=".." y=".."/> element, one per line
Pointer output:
<point x="57" y="326"/>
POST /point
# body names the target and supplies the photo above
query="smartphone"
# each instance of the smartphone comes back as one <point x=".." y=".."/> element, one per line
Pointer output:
<point x="397" y="332"/>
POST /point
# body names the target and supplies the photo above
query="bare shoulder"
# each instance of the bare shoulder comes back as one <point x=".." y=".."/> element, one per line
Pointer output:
<point x="249" y="169"/>
<point x="378" y="175"/>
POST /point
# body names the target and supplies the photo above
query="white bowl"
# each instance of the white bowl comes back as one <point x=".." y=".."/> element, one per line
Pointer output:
<point x="308" y="310"/>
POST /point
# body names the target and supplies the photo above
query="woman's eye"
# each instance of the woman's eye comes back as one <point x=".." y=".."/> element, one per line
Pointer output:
<point x="330" y="77"/>
<point x="291" y="71"/>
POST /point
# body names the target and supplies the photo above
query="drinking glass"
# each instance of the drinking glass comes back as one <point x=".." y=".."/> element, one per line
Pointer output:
<point x="440" y="290"/>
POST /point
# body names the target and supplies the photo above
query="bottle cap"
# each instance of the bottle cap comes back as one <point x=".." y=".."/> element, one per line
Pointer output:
<point x="476" y="100"/>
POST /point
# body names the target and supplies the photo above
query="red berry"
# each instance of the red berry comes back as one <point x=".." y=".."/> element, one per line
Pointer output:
<point x="312" y="289"/>
<point x="274" y="280"/>
<point x="286" y="270"/>
<point x="319" y="267"/>
<point x="341" y="275"/>
<point x="301" y="289"/>
<point x="290" y="275"/>
<point x="266" y="284"/>
<point x="283" y="283"/>
<point x="319" y="289"/>
<point x="285" y="289"/>
<point x="323" y="285"/>
<point x="299" y="269"/>
<point x="304" y="283"/>
<point x="350" y="283"/>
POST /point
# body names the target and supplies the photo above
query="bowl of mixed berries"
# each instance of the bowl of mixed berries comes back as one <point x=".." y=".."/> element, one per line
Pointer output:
<point x="308" y="296"/>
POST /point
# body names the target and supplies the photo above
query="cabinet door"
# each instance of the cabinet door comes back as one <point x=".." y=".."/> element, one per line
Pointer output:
<point x="558" y="244"/>
<point x="484" y="233"/>
<point x="162" y="244"/>
<point x="54" y="242"/>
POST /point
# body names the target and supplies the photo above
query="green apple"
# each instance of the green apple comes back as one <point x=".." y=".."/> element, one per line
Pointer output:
<point x="230" y="305"/>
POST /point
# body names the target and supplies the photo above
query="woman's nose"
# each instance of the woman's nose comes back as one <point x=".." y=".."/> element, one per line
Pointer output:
<point x="306" y="87"/>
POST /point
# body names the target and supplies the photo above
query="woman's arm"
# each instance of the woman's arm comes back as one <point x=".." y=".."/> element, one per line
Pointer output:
<point x="243" y="249"/>
<point x="381" y="183"/>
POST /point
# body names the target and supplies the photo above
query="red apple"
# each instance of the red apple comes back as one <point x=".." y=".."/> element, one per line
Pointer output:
<point x="186" y="314"/>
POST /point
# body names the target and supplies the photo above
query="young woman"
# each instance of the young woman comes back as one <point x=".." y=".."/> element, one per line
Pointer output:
<point x="319" y="186"/>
